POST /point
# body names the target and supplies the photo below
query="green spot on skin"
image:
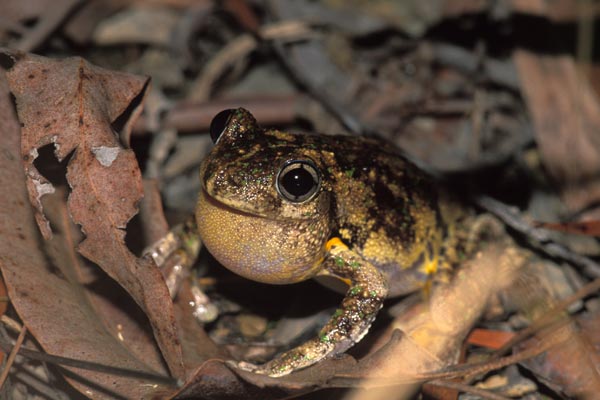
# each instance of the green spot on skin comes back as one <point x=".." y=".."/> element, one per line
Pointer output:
<point x="190" y="242"/>
<point x="324" y="338"/>
<point x="350" y="172"/>
<point x="338" y="312"/>
<point x="355" y="290"/>
<point x="373" y="293"/>
<point x="339" y="261"/>
<point x="355" y="264"/>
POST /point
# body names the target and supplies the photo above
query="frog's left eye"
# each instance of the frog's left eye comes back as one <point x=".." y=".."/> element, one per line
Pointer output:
<point x="219" y="123"/>
<point x="298" y="180"/>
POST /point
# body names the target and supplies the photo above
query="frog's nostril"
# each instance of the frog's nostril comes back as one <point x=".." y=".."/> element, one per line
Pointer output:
<point x="219" y="123"/>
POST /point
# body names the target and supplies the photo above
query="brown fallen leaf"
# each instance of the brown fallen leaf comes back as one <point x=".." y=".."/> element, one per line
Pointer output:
<point x="489" y="338"/>
<point x="3" y="294"/>
<point x="89" y="318"/>
<point x="73" y="105"/>
<point x="566" y="116"/>
<point x="33" y="21"/>
<point x="572" y="367"/>
<point x="46" y="293"/>
<point x="589" y="228"/>
<point x="555" y="11"/>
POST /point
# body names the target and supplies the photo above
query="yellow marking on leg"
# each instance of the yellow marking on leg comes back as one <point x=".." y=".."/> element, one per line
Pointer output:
<point x="334" y="242"/>
<point x="346" y="281"/>
<point x="431" y="266"/>
<point x="426" y="290"/>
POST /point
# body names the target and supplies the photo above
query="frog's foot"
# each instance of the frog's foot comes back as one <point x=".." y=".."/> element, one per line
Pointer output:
<point x="203" y="309"/>
<point x="300" y="357"/>
<point x="269" y="369"/>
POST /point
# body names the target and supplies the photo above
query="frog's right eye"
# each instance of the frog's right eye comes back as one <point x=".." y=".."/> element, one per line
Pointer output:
<point x="219" y="123"/>
<point x="298" y="180"/>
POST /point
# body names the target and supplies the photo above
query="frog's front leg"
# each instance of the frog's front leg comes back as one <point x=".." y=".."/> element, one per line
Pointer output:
<point x="368" y="289"/>
<point x="175" y="254"/>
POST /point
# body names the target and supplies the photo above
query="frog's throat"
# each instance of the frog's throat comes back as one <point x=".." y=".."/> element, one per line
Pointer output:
<point x="261" y="249"/>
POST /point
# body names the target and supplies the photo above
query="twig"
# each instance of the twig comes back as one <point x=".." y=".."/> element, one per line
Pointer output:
<point x="7" y="24"/>
<point x="486" y="394"/>
<point x="337" y="110"/>
<point x="455" y="371"/>
<point x="538" y="235"/>
<point x="241" y="47"/>
<point x="48" y="22"/>
<point x="548" y="318"/>
<point x="87" y="365"/>
<point x="500" y="72"/>
<point x="189" y="116"/>
<point x="256" y="34"/>
<point x="13" y="354"/>
<point x="38" y="380"/>
<point x="11" y="323"/>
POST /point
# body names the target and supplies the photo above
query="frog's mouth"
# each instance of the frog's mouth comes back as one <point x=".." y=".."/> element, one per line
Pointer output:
<point x="276" y="209"/>
<point x="232" y="207"/>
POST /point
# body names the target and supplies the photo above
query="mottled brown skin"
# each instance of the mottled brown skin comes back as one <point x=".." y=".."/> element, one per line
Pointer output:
<point x="374" y="223"/>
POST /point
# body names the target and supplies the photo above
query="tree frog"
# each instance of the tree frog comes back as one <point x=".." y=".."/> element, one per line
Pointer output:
<point x="280" y="208"/>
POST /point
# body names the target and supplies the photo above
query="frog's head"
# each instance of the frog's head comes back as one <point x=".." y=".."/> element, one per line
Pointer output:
<point x="271" y="174"/>
<point x="264" y="206"/>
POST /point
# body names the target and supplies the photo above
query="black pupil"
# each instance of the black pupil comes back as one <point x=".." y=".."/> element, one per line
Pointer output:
<point x="219" y="123"/>
<point x="298" y="182"/>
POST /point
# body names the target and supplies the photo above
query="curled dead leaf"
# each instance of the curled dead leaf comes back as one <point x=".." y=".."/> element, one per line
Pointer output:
<point x="73" y="105"/>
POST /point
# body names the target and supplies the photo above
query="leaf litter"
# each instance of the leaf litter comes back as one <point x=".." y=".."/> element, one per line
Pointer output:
<point x="460" y="104"/>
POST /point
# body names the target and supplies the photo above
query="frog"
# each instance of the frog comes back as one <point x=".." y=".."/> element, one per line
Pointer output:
<point x="280" y="208"/>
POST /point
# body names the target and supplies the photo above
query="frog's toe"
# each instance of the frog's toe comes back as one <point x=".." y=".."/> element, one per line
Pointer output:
<point x="245" y="366"/>
<point x="271" y="369"/>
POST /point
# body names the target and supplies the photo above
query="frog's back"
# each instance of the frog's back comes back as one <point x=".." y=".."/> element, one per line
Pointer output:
<point x="386" y="209"/>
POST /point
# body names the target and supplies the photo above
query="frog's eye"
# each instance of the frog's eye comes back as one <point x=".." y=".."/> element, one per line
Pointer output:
<point x="219" y="123"/>
<point x="298" y="180"/>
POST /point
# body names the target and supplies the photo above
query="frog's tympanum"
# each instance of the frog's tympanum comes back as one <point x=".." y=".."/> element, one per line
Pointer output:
<point x="281" y="208"/>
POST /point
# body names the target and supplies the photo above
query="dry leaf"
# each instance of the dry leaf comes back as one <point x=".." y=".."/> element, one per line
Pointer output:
<point x="572" y="366"/>
<point x="566" y="115"/>
<point x="589" y="228"/>
<point x="46" y="295"/>
<point x="73" y="105"/>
